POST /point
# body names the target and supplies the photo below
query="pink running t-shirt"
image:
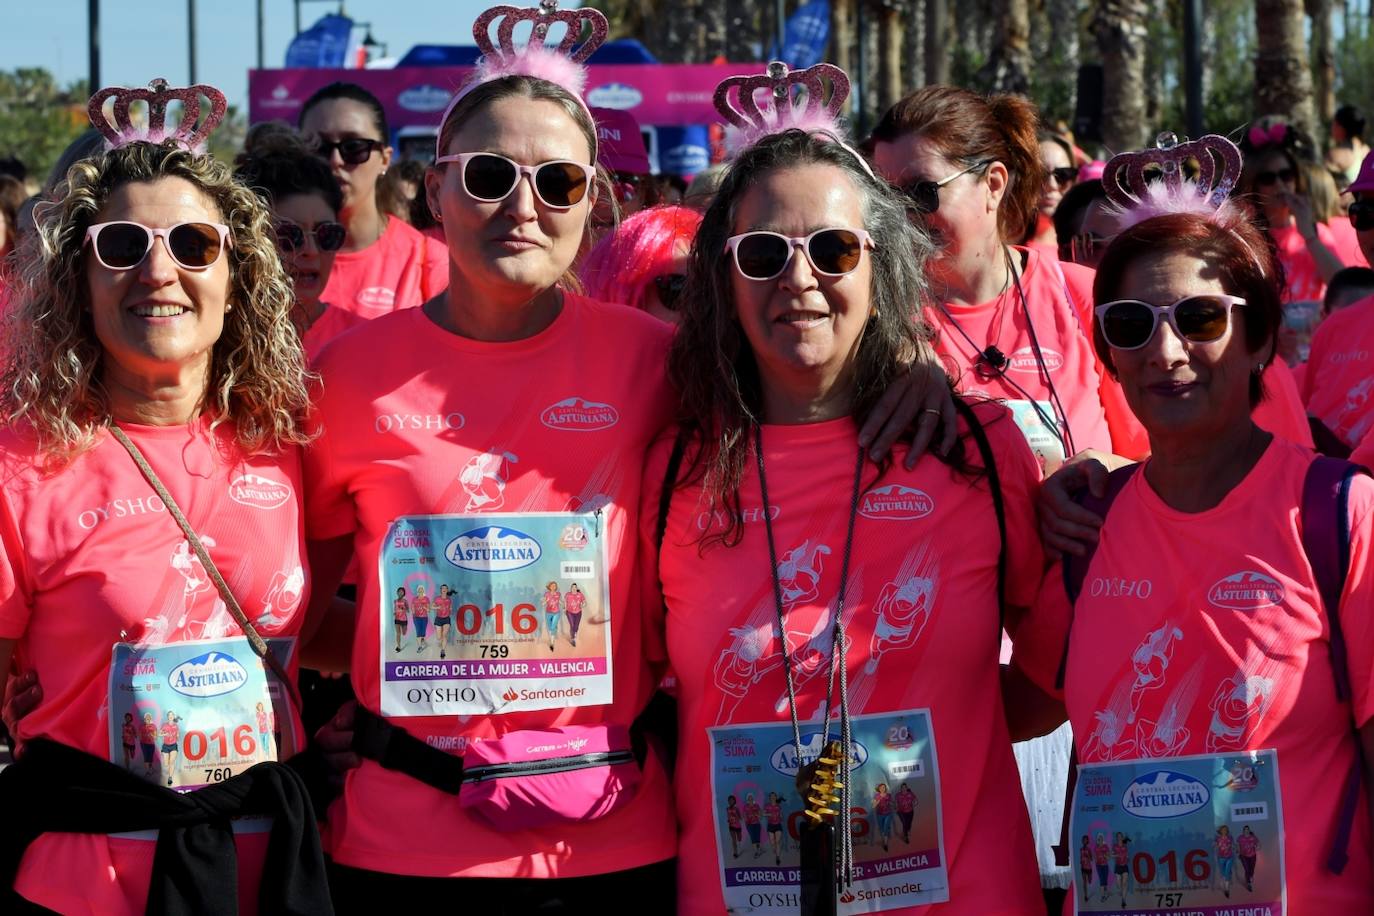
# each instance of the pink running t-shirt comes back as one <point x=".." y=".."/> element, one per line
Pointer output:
<point x="420" y="606"/>
<point x="89" y="557"/>
<point x="574" y="601"/>
<point x="921" y="617"/>
<point x="1364" y="452"/>
<point x="1338" y="385"/>
<point x="1282" y="412"/>
<point x="1060" y="298"/>
<point x="397" y="440"/>
<point x="443" y="607"/>
<point x="1202" y="632"/>
<point x="1299" y="267"/>
<point x="1248" y="843"/>
<point x="332" y="322"/>
<point x="398" y="271"/>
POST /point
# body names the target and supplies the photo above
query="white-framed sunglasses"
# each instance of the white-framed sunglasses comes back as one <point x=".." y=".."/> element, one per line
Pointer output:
<point x="560" y="184"/>
<point x="832" y="252"/>
<point x="123" y="245"/>
<point x="1129" y="324"/>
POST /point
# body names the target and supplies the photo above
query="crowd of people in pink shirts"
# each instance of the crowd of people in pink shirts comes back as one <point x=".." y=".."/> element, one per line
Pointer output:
<point x="866" y="530"/>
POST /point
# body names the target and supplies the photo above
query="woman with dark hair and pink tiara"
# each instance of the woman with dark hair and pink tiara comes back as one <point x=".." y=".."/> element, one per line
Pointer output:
<point x="1158" y="628"/>
<point x="643" y="262"/>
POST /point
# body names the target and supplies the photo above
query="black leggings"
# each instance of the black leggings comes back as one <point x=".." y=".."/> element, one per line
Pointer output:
<point x="653" y="888"/>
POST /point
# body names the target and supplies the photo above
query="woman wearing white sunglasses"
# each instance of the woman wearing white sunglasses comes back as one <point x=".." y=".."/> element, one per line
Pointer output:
<point x="155" y="319"/>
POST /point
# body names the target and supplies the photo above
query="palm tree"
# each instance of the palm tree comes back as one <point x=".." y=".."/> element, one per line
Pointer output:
<point x="1283" y="79"/>
<point x="1119" y="26"/>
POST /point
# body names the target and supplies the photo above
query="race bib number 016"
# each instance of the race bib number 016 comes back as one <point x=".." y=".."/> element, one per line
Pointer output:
<point x="496" y="613"/>
<point x="189" y="714"/>
<point x="899" y="857"/>
<point x="1201" y="835"/>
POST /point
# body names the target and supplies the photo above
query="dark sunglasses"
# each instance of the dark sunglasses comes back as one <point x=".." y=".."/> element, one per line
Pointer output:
<point x="1129" y="324"/>
<point x="1084" y="248"/>
<point x="329" y="235"/>
<point x="1361" y="213"/>
<point x="1265" y="179"/>
<point x="763" y="255"/>
<point x="669" y="287"/>
<point x="353" y="151"/>
<point x="559" y="183"/>
<point x="925" y="195"/>
<point x="123" y="245"/>
<point x="1064" y="176"/>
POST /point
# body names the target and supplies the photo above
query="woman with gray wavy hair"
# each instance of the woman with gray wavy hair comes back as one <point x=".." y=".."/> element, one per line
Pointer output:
<point x="153" y="396"/>
<point x="812" y="593"/>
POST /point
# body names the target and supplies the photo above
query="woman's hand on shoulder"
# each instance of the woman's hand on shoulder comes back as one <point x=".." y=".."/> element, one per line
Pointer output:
<point x="921" y="395"/>
<point x="1065" y="526"/>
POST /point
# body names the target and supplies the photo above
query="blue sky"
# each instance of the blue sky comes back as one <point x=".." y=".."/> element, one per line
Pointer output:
<point x="141" y="39"/>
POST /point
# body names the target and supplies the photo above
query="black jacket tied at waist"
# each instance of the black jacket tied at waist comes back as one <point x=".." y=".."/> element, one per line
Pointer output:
<point x="58" y="789"/>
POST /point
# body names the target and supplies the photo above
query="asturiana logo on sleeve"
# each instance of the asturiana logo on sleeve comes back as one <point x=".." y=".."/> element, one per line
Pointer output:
<point x="1164" y="794"/>
<point x="210" y="675"/>
<point x="580" y="415"/>
<point x="258" y="492"/>
<point x="1246" y="590"/>
<point x="896" y="503"/>
<point x="493" y="549"/>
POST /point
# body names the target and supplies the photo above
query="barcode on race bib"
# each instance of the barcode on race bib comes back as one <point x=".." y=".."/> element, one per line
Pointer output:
<point x="577" y="570"/>
<point x="1256" y="811"/>
<point x="899" y="769"/>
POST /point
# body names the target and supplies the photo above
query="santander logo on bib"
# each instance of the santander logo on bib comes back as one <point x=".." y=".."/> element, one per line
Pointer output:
<point x="1246" y="590"/>
<point x="258" y="492"/>
<point x="580" y="415"/>
<point x="210" y="675"/>
<point x="1023" y="360"/>
<point x="493" y="549"/>
<point x="896" y="503"/>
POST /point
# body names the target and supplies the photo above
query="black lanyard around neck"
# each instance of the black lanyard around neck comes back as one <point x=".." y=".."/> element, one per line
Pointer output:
<point x="836" y="663"/>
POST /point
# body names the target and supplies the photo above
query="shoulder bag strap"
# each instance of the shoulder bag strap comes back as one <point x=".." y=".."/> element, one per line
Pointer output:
<point x="259" y="645"/>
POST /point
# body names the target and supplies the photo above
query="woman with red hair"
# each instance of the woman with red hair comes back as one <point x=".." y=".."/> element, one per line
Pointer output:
<point x="643" y="263"/>
<point x="1199" y="627"/>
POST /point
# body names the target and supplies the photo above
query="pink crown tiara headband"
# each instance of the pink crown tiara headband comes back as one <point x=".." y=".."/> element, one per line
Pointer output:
<point x="1139" y="193"/>
<point x="737" y="101"/>
<point x="186" y="134"/>
<point x="558" y="64"/>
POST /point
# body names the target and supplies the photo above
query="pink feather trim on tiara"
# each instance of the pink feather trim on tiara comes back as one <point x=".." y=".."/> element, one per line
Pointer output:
<point x="537" y="61"/>
<point x="1164" y="199"/>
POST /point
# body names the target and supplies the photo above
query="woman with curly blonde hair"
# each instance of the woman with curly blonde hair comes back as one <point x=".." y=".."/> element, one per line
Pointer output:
<point x="152" y="321"/>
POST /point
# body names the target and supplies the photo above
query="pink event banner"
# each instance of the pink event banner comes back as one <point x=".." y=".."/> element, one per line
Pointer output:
<point x="657" y="94"/>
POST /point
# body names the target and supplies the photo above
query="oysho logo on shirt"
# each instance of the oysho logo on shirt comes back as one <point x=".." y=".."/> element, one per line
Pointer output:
<point x="210" y="675"/>
<point x="119" y="508"/>
<point x="1246" y="590"/>
<point x="1349" y="356"/>
<point x="1023" y="360"/>
<point x="1116" y="587"/>
<point x="258" y="492"/>
<point x="392" y="422"/>
<point x="377" y="296"/>
<point x="1164" y="794"/>
<point x="580" y="415"/>
<point x="896" y="503"/>
<point x="493" y="549"/>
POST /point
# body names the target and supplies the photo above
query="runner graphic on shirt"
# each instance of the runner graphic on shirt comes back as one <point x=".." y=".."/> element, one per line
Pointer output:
<point x="745" y="662"/>
<point x="484" y="478"/>
<point x="903" y="609"/>
<point x="1353" y="418"/>
<point x="1237" y="708"/>
<point x="1151" y="661"/>
<point x="282" y="597"/>
<point x="1167" y="736"/>
<point x="1109" y="740"/>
